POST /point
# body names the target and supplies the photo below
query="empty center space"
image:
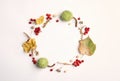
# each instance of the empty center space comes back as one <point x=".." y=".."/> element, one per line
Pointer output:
<point x="58" y="42"/>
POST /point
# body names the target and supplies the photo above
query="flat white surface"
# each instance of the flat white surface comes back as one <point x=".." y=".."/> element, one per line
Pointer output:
<point x="102" y="16"/>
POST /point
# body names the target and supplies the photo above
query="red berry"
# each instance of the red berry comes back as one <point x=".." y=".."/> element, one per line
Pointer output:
<point x="88" y="29"/>
<point x="47" y="18"/>
<point x="30" y="55"/>
<point x="30" y="22"/>
<point x="50" y="18"/>
<point x="33" y="58"/>
<point x="57" y="20"/>
<point x="79" y="18"/>
<point x="51" y="69"/>
<point x="31" y="19"/>
<point x="75" y="64"/>
<point x="85" y="33"/>
<point x="78" y="61"/>
<point x="34" y="20"/>
<point x="82" y="60"/>
<point x="48" y="15"/>
<point x="34" y="61"/>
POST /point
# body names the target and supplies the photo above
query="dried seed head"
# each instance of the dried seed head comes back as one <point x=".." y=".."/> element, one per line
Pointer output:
<point x="37" y="53"/>
<point x="81" y="22"/>
<point x="32" y="27"/>
<point x="69" y="23"/>
<point x="54" y="15"/>
<point x="58" y="70"/>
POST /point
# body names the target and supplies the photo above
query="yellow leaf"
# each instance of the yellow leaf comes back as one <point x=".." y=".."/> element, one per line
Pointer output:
<point x="40" y="20"/>
<point x="29" y="45"/>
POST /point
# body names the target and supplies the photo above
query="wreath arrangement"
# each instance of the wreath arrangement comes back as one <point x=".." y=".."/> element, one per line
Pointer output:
<point x="86" y="46"/>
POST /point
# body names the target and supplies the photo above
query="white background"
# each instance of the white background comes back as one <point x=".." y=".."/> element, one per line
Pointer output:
<point x="102" y="16"/>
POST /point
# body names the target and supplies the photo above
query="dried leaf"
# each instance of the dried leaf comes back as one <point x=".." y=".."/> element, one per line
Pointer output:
<point x="86" y="46"/>
<point x="40" y="20"/>
<point x="29" y="45"/>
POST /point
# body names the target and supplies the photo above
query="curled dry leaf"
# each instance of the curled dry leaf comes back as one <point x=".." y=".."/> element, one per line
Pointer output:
<point x="86" y="46"/>
<point x="30" y="44"/>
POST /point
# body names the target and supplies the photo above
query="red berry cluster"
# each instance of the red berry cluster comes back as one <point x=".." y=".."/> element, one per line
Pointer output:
<point x="77" y="62"/>
<point x="32" y="21"/>
<point x="86" y="30"/>
<point x="37" y="30"/>
<point x="48" y="16"/>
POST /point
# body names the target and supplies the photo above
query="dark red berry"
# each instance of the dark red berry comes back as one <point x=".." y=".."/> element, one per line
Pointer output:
<point x="50" y="18"/>
<point x="31" y="19"/>
<point x="33" y="58"/>
<point x="79" y="18"/>
<point x="30" y="22"/>
<point x="34" y="61"/>
<point x="82" y="60"/>
<point x="47" y="18"/>
<point x="34" y="20"/>
<point x="51" y="69"/>
<point x="78" y="61"/>
<point x="30" y="55"/>
<point x="85" y="33"/>
<point x="48" y="15"/>
<point x="74" y="64"/>
<point x="57" y="20"/>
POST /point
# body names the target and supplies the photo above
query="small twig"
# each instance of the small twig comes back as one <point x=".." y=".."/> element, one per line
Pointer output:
<point x="44" y="25"/>
<point x="32" y="51"/>
<point x="27" y="35"/>
<point x="81" y="33"/>
<point x="51" y="65"/>
<point x="64" y="63"/>
<point x="75" y="21"/>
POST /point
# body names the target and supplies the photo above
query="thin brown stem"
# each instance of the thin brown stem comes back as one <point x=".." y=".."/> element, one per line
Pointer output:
<point x="51" y="65"/>
<point x="75" y="21"/>
<point x="64" y="63"/>
<point x="81" y="33"/>
<point x="27" y="35"/>
<point x="44" y="25"/>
